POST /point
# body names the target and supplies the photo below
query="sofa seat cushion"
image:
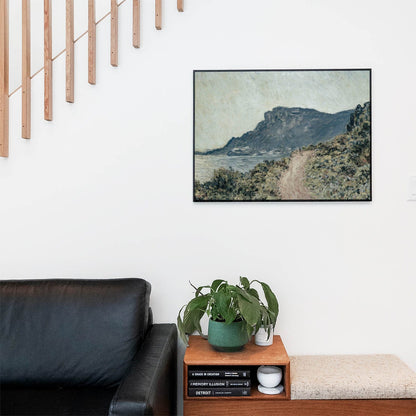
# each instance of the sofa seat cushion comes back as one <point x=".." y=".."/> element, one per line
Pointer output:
<point x="351" y="377"/>
<point x="52" y="401"/>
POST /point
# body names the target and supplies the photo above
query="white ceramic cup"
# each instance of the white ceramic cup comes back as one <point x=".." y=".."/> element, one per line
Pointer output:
<point x="269" y="375"/>
<point x="262" y="337"/>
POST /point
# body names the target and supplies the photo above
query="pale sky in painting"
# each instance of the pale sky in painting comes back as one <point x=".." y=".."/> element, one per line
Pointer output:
<point x="228" y="104"/>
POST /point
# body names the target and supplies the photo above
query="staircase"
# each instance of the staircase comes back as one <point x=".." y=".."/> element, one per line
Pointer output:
<point x="48" y="59"/>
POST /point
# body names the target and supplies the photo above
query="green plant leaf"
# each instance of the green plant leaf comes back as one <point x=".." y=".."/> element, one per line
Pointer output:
<point x="199" y="302"/>
<point x="266" y="319"/>
<point x="247" y="296"/>
<point x="244" y="282"/>
<point x="253" y="292"/>
<point x="271" y="299"/>
<point x="196" y="316"/>
<point x="181" y="327"/>
<point x="193" y="314"/>
<point x="258" y="325"/>
<point x="216" y="284"/>
<point x="198" y="290"/>
<point x="230" y="316"/>
<point x="241" y="292"/>
<point x="249" y="330"/>
<point x="222" y="302"/>
<point x="188" y="323"/>
<point x="250" y="311"/>
<point x="224" y="306"/>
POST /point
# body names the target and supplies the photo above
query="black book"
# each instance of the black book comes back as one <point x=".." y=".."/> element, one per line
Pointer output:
<point x="219" y="382"/>
<point x="218" y="391"/>
<point x="204" y="373"/>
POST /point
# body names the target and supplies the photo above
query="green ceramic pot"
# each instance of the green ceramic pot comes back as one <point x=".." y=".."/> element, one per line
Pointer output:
<point x="227" y="338"/>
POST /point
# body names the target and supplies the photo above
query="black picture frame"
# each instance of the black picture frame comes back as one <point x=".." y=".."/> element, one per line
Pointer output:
<point x="318" y="150"/>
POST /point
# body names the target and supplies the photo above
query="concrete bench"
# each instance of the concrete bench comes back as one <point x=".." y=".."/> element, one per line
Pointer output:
<point x="352" y="385"/>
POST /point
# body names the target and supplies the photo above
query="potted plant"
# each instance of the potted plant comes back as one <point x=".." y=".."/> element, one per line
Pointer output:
<point x="234" y="312"/>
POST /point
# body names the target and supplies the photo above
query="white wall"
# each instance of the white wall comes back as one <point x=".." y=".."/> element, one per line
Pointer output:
<point x="106" y="188"/>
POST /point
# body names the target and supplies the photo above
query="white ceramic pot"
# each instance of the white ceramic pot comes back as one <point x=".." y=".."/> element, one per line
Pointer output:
<point x="261" y="338"/>
<point x="269" y="375"/>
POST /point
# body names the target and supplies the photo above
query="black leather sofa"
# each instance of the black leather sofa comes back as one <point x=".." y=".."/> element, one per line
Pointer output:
<point x="84" y="347"/>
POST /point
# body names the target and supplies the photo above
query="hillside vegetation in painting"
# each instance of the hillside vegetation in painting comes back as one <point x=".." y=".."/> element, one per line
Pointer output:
<point x="336" y="169"/>
<point x="261" y="183"/>
<point x="340" y="168"/>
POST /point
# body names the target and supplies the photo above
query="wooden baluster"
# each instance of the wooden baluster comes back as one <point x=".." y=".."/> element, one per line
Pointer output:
<point x="47" y="56"/>
<point x="26" y="80"/>
<point x="70" y="51"/>
<point x="4" y="78"/>
<point x="136" y="23"/>
<point x="180" y="5"/>
<point x="91" y="42"/>
<point x="114" y="33"/>
<point x="158" y="14"/>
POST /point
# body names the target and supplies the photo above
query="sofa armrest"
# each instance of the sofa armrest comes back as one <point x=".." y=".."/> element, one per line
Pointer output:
<point x="149" y="387"/>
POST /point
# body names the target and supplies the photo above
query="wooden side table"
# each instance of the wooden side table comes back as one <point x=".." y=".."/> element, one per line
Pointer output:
<point x="200" y="354"/>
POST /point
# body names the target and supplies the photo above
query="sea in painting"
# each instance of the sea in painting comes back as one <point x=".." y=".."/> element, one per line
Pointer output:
<point x="282" y="135"/>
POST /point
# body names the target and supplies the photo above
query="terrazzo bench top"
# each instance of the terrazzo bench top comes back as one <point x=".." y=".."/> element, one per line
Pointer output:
<point x="338" y="377"/>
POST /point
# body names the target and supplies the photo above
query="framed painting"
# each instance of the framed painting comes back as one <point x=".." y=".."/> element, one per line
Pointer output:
<point x="282" y="135"/>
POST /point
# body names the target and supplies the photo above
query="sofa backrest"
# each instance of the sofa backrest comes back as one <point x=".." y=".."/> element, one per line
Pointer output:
<point x="70" y="331"/>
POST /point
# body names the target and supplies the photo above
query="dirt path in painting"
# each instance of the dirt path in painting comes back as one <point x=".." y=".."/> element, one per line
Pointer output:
<point x="291" y="183"/>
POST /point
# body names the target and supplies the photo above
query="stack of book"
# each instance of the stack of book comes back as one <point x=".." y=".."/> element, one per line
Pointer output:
<point x="218" y="382"/>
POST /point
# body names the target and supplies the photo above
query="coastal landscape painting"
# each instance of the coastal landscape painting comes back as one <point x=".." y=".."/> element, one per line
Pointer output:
<point x="282" y="135"/>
